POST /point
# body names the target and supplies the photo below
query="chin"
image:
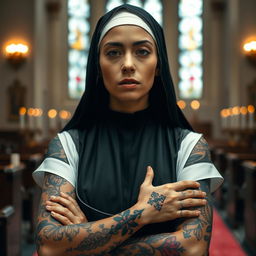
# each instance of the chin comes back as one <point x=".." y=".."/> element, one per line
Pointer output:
<point x="130" y="98"/>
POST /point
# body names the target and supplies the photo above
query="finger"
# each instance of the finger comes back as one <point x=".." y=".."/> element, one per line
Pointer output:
<point x="65" y="202"/>
<point x="187" y="213"/>
<point x="191" y="193"/>
<point x="63" y="211"/>
<point x="185" y="184"/>
<point x="186" y="203"/>
<point x="78" y="212"/>
<point x="77" y="216"/>
<point x="68" y="197"/>
<point x="62" y="219"/>
<point x="149" y="176"/>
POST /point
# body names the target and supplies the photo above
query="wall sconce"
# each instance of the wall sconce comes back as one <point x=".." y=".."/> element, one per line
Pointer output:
<point x="250" y="52"/>
<point x="16" y="54"/>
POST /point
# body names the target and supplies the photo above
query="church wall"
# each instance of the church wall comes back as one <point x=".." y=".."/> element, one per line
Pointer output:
<point x="16" y="18"/>
<point x="248" y="31"/>
<point x="226" y="72"/>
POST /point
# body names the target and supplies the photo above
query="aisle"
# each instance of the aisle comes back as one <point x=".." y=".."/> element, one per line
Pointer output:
<point x="223" y="242"/>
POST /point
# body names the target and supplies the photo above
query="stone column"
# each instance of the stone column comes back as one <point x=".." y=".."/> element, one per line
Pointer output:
<point x="55" y="62"/>
<point x="213" y="62"/>
<point x="40" y="65"/>
<point x="232" y="47"/>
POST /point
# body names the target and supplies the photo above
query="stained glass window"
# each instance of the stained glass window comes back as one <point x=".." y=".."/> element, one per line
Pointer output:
<point x="154" y="7"/>
<point x="78" y="42"/>
<point x="190" y="49"/>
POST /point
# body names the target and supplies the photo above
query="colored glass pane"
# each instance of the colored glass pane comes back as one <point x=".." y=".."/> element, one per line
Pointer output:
<point x="190" y="49"/>
<point x="78" y="42"/>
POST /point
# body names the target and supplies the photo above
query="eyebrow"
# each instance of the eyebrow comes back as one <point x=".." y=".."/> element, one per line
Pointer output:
<point x="134" y="43"/>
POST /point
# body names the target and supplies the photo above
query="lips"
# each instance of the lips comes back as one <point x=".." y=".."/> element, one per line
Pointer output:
<point x="128" y="82"/>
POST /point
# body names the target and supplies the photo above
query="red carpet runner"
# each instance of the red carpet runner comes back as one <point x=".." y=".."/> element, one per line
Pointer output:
<point x="223" y="242"/>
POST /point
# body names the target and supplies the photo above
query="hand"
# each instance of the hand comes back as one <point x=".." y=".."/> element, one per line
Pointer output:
<point x="169" y="201"/>
<point x="65" y="209"/>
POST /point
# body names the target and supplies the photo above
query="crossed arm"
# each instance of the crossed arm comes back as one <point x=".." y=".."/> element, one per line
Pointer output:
<point x="112" y="236"/>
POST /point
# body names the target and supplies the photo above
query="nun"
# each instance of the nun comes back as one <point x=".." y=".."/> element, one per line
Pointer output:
<point x="127" y="175"/>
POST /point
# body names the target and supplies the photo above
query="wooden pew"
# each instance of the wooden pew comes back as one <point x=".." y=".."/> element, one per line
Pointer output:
<point x="220" y="161"/>
<point x="30" y="191"/>
<point x="10" y="184"/>
<point x="250" y="205"/>
<point x="235" y="178"/>
<point x="8" y="246"/>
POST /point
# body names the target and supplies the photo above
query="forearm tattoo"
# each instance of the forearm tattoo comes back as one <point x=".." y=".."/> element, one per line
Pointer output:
<point x="125" y="223"/>
<point x="50" y="229"/>
<point x="200" y="227"/>
<point x="147" y="246"/>
<point x="156" y="200"/>
<point x="200" y="153"/>
<point x="55" y="150"/>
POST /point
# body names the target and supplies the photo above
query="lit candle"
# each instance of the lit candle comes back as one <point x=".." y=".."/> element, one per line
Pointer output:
<point x="224" y="118"/>
<point x="195" y="105"/>
<point x="243" y="111"/>
<point x="38" y="118"/>
<point x="52" y="114"/>
<point x="251" y="110"/>
<point x="22" y="113"/>
<point x="228" y="117"/>
<point x="63" y="114"/>
<point x="236" y="116"/>
<point x="181" y="104"/>
<point x="31" y="123"/>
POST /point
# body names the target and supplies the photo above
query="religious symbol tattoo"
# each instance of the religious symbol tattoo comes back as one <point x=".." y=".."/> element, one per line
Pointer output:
<point x="156" y="200"/>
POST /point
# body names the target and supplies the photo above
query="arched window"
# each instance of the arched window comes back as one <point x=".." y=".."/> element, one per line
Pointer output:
<point x="190" y="49"/>
<point x="154" y="7"/>
<point x="78" y="43"/>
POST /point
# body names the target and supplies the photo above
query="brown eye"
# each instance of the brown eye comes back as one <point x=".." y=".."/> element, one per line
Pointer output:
<point x="142" y="52"/>
<point x="113" y="53"/>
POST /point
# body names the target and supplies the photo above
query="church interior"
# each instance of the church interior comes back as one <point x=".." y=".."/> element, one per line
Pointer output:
<point x="211" y="48"/>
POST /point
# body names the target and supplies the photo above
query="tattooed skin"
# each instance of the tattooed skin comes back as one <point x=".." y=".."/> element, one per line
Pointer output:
<point x="50" y="229"/>
<point x="145" y="246"/>
<point x="200" y="153"/>
<point x="51" y="187"/>
<point x="125" y="222"/>
<point x="200" y="227"/>
<point x="56" y="150"/>
<point x="156" y="200"/>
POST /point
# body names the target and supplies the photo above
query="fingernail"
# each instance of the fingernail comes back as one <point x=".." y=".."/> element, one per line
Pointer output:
<point x="47" y="207"/>
<point x="52" y="197"/>
<point x="204" y="194"/>
<point x="52" y="213"/>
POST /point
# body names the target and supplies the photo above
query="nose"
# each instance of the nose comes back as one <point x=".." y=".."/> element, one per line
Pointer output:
<point x="128" y="64"/>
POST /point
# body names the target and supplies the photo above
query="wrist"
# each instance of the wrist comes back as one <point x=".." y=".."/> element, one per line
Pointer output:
<point x="142" y="220"/>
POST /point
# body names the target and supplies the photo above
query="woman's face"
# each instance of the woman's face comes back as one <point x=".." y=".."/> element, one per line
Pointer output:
<point x="128" y="62"/>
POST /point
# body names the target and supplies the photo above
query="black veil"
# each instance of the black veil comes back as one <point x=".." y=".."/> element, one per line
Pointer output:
<point x="95" y="99"/>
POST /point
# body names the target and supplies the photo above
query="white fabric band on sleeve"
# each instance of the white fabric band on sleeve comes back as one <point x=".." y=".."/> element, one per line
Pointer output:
<point x="55" y="166"/>
<point x="202" y="171"/>
<point x="186" y="148"/>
